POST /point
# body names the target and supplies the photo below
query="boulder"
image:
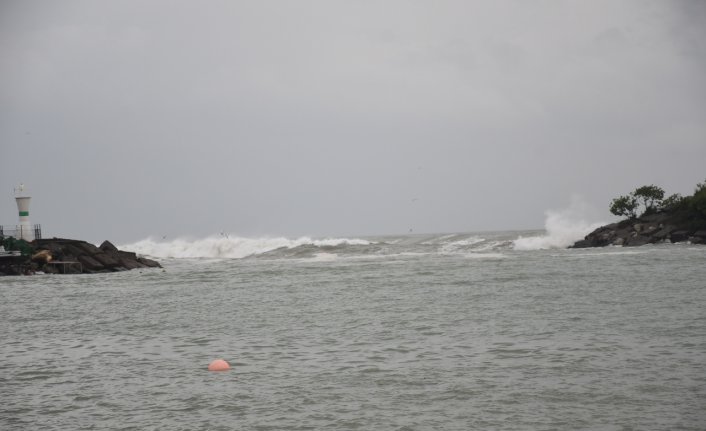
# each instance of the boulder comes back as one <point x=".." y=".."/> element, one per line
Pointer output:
<point x="637" y="241"/>
<point x="106" y="260"/>
<point x="700" y="234"/>
<point x="584" y="243"/>
<point x="108" y="246"/>
<point x="89" y="249"/>
<point x="679" y="236"/>
<point x="624" y="233"/>
<point x="72" y="250"/>
<point x="664" y="232"/>
<point x="149" y="262"/>
<point x="127" y="255"/>
<point x="129" y="260"/>
<point x="131" y="263"/>
<point x="653" y="218"/>
<point x="90" y="264"/>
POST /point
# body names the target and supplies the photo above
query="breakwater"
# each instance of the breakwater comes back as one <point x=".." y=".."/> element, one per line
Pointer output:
<point x="70" y="256"/>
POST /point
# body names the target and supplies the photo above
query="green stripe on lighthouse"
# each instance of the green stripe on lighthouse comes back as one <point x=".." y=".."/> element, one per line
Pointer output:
<point x="24" y="213"/>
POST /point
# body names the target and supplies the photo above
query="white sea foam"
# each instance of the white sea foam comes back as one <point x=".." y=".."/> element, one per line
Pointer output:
<point x="229" y="248"/>
<point x="563" y="228"/>
<point x="484" y="255"/>
<point x="323" y="257"/>
<point x="466" y="242"/>
<point x="463" y="244"/>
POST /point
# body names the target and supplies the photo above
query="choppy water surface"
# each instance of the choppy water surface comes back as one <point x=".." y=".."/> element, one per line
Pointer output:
<point x="448" y="332"/>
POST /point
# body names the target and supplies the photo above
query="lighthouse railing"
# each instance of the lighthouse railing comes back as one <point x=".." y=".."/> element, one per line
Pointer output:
<point x="19" y="231"/>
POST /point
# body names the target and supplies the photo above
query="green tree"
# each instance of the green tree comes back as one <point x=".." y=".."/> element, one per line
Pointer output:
<point x="672" y="202"/>
<point x="650" y="196"/>
<point x="698" y="201"/>
<point x="624" y="206"/>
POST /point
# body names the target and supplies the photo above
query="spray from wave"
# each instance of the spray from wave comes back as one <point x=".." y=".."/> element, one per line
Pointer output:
<point x="228" y="247"/>
<point x="563" y="228"/>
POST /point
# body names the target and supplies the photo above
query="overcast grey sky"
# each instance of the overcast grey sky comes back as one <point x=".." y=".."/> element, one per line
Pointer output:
<point x="337" y="118"/>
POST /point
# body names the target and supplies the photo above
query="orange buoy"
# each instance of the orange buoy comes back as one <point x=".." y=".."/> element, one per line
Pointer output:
<point x="219" y="365"/>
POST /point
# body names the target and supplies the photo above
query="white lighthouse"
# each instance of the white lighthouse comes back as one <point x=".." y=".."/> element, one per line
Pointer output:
<point x="24" y="230"/>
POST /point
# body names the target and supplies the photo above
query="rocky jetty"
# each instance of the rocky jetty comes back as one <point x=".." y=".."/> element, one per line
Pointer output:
<point x="70" y="256"/>
<point x="658" y="227"/>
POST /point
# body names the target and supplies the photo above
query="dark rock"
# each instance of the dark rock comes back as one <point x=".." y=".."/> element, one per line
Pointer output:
<point x="620" y="225"/>
<point x="129" y="260"/>
<point x="108" y="246"/>
<point x="624" y="233"/>
<point x="127" y="255"/>
<point x="55" y="249"/>
<point x="700" y="234"/>
<point x="90" y="264"/>
<point x="131" y="263"/>
<point x="649" y="229"/>
<point x="584" y="243"/>
<point x="664" y="232"/>
<point x="676" y="226"/>
<point x="637" y="241"/>
<point x="106" y="260"/>
<point x="679" y="236"/>
<point x="653" y="218"/>
<point x="149" y="262"/>
<point x="87" y="248"/>
<point x="73" y="250"/>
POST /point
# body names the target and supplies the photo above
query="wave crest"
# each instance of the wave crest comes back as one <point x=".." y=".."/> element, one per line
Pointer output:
<point x="229" y="248"/>
<point x="563" y="228"/>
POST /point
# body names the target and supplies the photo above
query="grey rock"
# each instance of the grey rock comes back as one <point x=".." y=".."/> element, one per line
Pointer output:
<point x="679" y="236"/>
<point x="664" y="232"/>
<point x="700" y="234"/>
<point x="107" y="260"/>
<point x="584" y="243"/>
<point x="131" y="263"/>
<point x="149" y="262"/>
<point x="108" y="246"/>
<point x="637" y="241"/>
<point x="90" y="264"/>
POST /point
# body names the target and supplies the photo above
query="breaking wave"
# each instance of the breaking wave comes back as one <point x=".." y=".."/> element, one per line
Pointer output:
<point x="229" y="247"/>
<point x="563" y="228"/>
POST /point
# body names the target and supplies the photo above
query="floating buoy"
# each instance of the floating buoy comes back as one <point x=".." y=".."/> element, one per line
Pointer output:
<point x="219" y="365"/>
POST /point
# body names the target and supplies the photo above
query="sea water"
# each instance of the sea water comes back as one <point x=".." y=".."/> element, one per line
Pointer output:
<point x="455" y="332"/>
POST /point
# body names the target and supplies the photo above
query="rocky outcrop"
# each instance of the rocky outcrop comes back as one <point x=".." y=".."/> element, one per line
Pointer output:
<point x="70" y="256"/>
<point x="649" y="229"/>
